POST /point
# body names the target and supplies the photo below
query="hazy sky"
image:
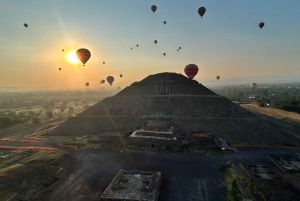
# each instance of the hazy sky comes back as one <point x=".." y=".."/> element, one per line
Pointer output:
<point x="226" y="41"/>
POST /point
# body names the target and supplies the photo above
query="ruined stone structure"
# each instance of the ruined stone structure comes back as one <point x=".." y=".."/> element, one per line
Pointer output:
<point x="133" y="186"/>
<point x="153" y="106"/>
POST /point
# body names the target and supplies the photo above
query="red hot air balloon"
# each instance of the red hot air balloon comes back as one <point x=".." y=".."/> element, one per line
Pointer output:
<point x="191" y="70"/>
<point x="261" y="25"/>
<point x="83" y="55"/>
<point x="253" y="85"/>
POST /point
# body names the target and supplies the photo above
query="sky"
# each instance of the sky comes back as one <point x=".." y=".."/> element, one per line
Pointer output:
<point x="226" y="41"/>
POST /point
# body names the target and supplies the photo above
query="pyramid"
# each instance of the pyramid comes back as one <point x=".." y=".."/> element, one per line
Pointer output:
<point x="170" y="100"/>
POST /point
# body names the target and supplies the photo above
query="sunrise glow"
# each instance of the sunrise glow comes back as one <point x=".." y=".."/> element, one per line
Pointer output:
<point x="72" y="57"/>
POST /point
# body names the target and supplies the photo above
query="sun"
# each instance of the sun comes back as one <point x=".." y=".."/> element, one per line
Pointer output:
<point x="72" y="57"/>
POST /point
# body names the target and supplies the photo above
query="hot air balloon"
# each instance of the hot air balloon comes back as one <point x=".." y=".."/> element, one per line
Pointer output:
<point x="164" y="54"/>
<point x="25" y="25"/>
<point x="177" y="50"/>
<point x="253" y="85"/>
<point x="103" y="62"/>
<point x="201" y="11"/>
<point x="121" y="75"/>
<point x="218" y="77"/>
<point x="165" y="22"/>
<point x="137" y="45"/>
<point x="83" y="55"/>
<point x="153" y="8"/>
<point x="110" y="79"/>
<point x="180" y="48"/>
<point x="191" y="70"/>
<point x="155" y="41"/>
<point x="261" y="25"/>
<point x="59" y="68"/>
<point x="87" y="84"/>
<point x="102" y="81"/>
<point x="130" y="48"/>
<point x="63" y="50"/>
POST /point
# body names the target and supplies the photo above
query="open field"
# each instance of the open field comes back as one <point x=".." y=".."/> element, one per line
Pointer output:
<point x="25" y="172"/>
<point x="292" y="117"/>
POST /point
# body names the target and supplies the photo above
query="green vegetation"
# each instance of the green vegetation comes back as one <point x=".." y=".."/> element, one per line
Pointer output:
<point x="231" y="174"/>
<point x="11" y="118"/>
<point x="232" y="190"/>
<point x="71" y="109"/>
<point x="263" y="93"/>
<point x="288" y="105"/>
<point x="49" y="114"/>
<point x="281" y="96"/>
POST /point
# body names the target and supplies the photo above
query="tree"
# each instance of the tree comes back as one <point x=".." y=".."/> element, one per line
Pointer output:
<point x="265" y="93"/>
<point x="5" y="121"/>
<point x="35" y="119"/>
<point x="71" y="109"/>
<point x="64" y="105"/>
<point x="262" y="104"/>
<point x="49" y="114"/>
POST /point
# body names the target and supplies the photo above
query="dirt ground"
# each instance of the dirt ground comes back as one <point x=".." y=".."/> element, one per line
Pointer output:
<point x="273" y="112"/>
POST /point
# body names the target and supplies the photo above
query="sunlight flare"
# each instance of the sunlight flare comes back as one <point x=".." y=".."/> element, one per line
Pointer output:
<point x="72" y="58"/>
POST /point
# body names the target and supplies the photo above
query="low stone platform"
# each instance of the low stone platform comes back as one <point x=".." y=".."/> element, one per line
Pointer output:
<point x="133" y="186"/>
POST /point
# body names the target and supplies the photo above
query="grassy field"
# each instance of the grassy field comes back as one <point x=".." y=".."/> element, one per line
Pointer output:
<point x="273" y="112"/>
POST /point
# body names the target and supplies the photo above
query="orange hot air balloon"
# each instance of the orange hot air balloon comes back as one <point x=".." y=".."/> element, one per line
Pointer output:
<point x="253" y="85"/>
<point x="191" y="70"/>
<point x="83" y="55"/>
<point x="261" y="25"/>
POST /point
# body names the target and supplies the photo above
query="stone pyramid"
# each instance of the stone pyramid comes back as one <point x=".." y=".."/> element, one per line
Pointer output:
<point x="179" y="102"/>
